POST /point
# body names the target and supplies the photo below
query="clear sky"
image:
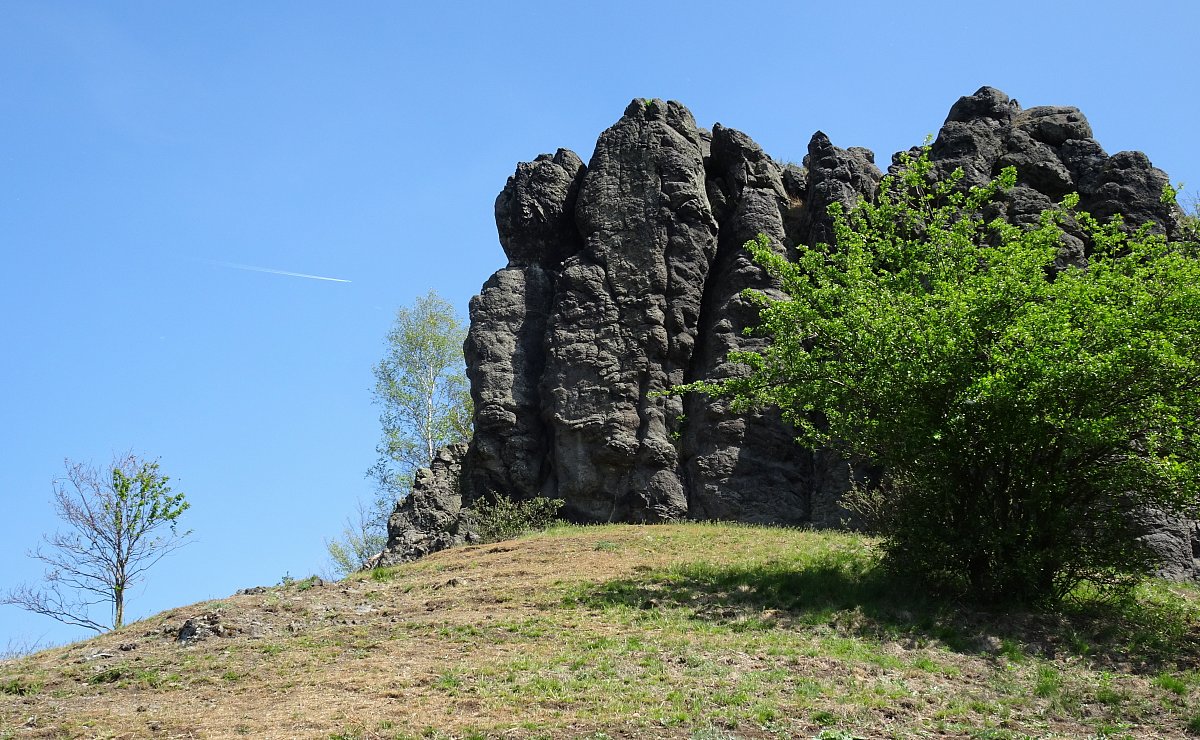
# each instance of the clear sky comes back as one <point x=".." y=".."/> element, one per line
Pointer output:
<point x="145" y="147"/>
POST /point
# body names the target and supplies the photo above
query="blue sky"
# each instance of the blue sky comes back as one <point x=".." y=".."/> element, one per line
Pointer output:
<point x="144" y="144"/>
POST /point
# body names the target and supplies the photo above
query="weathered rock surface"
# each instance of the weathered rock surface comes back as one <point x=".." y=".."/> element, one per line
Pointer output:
<point x="1176" y="541"/>
<point x="430" y="518"/>
<point x="625" y="277"/>
<point x="1054" y="154"/>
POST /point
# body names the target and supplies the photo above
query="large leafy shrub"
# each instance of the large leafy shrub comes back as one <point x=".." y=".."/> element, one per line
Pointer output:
<point x="1021" y="411"/>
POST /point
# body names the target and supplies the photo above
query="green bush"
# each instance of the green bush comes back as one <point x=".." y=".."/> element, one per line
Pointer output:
<point x="1022" y="411"/>
<point x="502" y="518"/>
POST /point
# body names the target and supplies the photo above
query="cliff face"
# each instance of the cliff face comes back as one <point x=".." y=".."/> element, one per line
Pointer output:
<point x="624" y="278"/>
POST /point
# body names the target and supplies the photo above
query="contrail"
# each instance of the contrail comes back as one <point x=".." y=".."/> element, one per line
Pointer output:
<point x="252" y="268"/>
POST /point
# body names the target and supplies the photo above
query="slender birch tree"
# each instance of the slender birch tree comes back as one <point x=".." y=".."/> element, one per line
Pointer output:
<point x="421" y="386"/>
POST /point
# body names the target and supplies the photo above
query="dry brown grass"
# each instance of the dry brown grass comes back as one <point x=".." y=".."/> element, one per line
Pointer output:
<point x="670" y="631"/>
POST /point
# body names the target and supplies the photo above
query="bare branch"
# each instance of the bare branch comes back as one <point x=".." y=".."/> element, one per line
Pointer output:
<point x="52" y="603"/>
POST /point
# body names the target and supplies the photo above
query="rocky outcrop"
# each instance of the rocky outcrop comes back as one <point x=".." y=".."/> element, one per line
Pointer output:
<point x="1054" y="154"/>
<point x="430" y="518"/>
<point x="625" y="277"/>
<point x="1176" y="542"/>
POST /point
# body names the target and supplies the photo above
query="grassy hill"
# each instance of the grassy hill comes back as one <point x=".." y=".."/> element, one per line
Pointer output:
<point x="674" y="631"/>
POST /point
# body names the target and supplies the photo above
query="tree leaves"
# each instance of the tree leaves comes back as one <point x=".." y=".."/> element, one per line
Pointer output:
<point x="421" y="385"/>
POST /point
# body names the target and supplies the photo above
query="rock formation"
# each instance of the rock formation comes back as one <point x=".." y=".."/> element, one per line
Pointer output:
<point x="625" y="277"/>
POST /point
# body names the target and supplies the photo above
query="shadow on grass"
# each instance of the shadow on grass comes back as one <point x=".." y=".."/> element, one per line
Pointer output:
<point x="1160" y="628"/>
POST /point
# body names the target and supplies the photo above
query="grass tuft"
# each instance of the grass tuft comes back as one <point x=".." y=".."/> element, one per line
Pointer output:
<point x="1171" y="683"/>
<point x="1049" y="682"/>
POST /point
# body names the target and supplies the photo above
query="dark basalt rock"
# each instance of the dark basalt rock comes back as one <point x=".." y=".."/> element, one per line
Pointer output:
<point x="535" y="213"/>
<point x="506" y="356"/>
<point x="625" y="315"/>
<point x="1175" y="540"/>
<point x="1054" y="154"/>
<point x="626" y="277"/>
<point x="430" y="518"/>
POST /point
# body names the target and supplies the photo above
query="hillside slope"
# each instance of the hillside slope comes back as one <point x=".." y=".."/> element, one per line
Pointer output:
<point x="673" y="631"/>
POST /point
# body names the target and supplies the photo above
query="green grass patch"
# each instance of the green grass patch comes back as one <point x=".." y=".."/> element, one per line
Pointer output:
<point x="1193" y="723"/>
<point x="1048" y="681"/>
<point x="1172" y="683"/>
<point x="109" y="675"/>
<point x="449" y="681"/>
<point x="383" y="575"/>
<point x="1012" y="650"/>
<point x="703" y="631"/>
<point x="1109" y="693"/>
<point x="20" y="686"/>
<point x="835" y="580"/>
<point x="149" y="677"/>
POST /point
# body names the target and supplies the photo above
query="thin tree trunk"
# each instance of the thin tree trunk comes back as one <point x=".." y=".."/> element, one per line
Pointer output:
<point x="118" y="607"/>
<point x="429" y="433"/>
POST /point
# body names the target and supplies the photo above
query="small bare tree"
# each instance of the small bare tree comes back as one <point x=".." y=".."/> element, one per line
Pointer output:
<point x="121" y="521"/>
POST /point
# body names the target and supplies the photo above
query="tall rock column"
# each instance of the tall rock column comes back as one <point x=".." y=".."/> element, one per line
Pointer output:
<point x="625" y="317"/>
<point x="505" y="347"/>
<point x="747" y="466"/>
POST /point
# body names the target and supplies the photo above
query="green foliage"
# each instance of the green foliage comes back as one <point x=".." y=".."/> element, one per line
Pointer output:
<point x="1193" y="724"/>
<point x="1190" y="223"/>
<point x="1171" y="683"/>
<point x="1020" y="411"/>
<point x="300" y="584"/>
<point x="830" y="734"/>
<point x="20" y="686"/>
<point x="382" y="575"/>
<point x="363" y="537"/>
<point x="1049" y="681"/>
<point x="307" y="583"/>
<point x="502" y="518"/>
<point x="109" y="675"/>
<point x="421" y="385"/>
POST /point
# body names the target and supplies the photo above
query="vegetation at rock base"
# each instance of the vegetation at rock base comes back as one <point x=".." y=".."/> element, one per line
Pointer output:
<point x="121" y="520"/>
<point x="1191" y="221"/>
<point x="667" y="631"/>
<point x="502" y="518"/>
<point x="364" y="535"/>
<point x="1022" y="412"/>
